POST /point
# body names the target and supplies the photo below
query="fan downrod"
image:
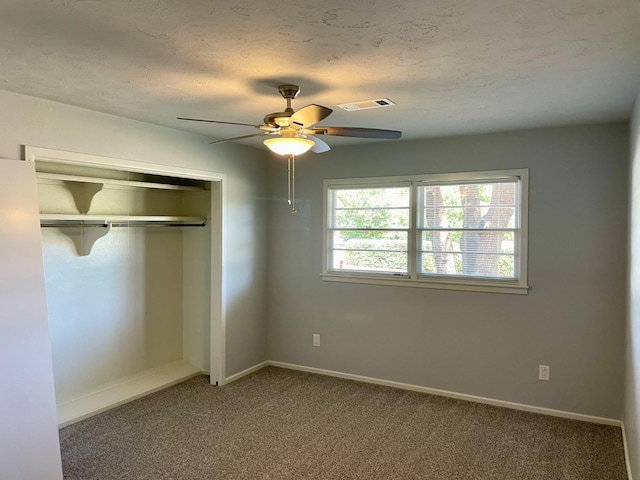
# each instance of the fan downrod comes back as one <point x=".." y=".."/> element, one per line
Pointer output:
<point x="281" y="119"/>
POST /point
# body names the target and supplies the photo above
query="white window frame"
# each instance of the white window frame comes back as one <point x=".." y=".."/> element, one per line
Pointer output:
<point x="409" y="229"/>
<point x="516" y="285"/>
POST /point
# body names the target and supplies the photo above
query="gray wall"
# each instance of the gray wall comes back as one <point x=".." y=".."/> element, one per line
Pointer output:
<point x="30" y="121"/>
<point x="632" y="378"/>
<point x="475" y="343"/>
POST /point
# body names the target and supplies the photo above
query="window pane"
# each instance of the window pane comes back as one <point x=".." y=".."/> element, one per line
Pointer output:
<point x="469" y="205"/>
<point x="370" y="240"/>
<point x="442" y="217"/>
<point x="371" y="197"/>
<point x="468" y="264"/>
<point x="371" y="218"/>
<point x="464" y="241"/>
<point x="370" y="261"/>
<point x="370" y="211"/>
<point x="384" y="252"/>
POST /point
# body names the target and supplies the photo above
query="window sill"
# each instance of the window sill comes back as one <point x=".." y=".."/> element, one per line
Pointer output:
<point x="441" y="285"/>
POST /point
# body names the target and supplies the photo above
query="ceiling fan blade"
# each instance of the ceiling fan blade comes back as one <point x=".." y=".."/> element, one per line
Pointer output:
<point x="356" y="132"/>
<point x="309" y="116"/>
<point x="320" y="146"/>
<point x="264" y="134"/>
<point x="218" y="121"/>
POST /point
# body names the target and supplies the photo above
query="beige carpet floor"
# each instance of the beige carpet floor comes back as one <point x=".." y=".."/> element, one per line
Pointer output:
<point x="281" y="424"/>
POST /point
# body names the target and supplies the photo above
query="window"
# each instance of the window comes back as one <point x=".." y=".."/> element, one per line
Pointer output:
<point x="370" y="229"/>
<point x="456" y="231"/>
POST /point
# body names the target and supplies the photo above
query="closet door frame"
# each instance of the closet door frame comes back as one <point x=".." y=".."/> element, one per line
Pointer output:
<point x="217" y="209"/>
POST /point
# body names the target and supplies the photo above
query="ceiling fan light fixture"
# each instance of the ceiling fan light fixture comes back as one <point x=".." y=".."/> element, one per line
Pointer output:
<point x="289" y="145"/>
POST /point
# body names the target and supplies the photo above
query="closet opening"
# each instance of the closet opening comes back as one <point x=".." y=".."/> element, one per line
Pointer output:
<point x="133" y="274"/>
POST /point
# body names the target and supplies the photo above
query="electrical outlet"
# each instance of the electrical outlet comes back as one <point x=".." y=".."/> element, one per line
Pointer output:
<point x="544" y="371"/>
<point x="316" y="339"/>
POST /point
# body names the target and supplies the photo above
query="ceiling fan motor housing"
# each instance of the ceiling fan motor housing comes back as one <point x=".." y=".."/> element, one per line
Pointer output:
<point x="279" y="119"/>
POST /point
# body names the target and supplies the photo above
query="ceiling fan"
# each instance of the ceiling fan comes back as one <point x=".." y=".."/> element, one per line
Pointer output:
<point x="293" y="133"/>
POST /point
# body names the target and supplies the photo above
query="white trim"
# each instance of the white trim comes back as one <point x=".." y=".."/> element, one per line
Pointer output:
<point x="414" y="240"/>
<point x="33" y="154"/>
<point x="218" y="206"/>
<point x="627" y="460"/>
<point x="458" y="396"/>
<point x="523" y="233"/>
<point x="247" y="371"/>
<point x="108" y="396"/>
<point x="463" y="176"/>
<point x="405" y="282"/>
<point x="218" y="334"/>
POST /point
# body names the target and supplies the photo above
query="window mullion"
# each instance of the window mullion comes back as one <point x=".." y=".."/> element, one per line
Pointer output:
<point x="412" y="239"/>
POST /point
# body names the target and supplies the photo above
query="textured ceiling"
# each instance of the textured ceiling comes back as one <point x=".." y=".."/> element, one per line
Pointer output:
<point x="451" y="66"/>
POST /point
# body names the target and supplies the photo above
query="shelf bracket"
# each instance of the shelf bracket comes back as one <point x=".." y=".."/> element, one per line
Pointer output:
<point x="83" y="193"/>
<point x="85" y="237"/>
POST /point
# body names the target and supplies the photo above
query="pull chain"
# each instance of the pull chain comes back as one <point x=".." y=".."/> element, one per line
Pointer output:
<point x="289" y="179"/>
<point x="291" y="182"/>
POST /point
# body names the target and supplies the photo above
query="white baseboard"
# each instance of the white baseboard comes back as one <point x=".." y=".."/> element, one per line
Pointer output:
<point x="459" y="396"/>
<point x="246" y="372"/>
<point x="106" y="397"/>
<point x="626" y="452"/>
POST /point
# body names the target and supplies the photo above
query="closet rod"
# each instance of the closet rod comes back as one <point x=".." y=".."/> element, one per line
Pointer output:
<point x="105" y="224"/>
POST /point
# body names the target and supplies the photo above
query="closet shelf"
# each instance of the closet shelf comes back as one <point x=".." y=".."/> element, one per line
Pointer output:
<point x="122" y="183"/>
<point x="76" y="220"/>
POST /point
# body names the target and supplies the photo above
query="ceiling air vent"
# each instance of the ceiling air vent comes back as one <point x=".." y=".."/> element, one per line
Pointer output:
<point x="366" y="104"/>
